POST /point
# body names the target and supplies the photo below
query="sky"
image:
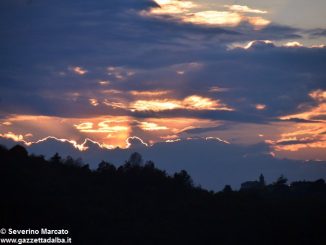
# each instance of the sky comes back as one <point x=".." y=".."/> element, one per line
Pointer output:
<point x="243" y="73"/>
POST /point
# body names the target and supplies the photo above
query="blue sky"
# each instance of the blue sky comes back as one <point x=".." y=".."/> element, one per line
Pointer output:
<point x="245" y="72"/>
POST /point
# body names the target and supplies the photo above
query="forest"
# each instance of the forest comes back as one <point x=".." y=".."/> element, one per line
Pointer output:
<point x="136" y="203"/>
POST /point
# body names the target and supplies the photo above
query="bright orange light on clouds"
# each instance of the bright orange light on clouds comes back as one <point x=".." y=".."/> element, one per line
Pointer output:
<point x="107" y="132"/>
<point x="314" y="112"/>
<point x="93" y="102"/>
<point x="306" y="135"/>
<point x="78" y="70"/>
<point x="318" y="95"/>
<point x="260" y="107"/>
<point x="150" y="93"/>
<point x="187" y="11"/>
<point x="257" y="21"/>
<point x="155" y="105"/>
<point x="193" y="102"/>
<point x="150" y="126"/>
<point x="223" y="18"/>
<point x="293" y="44"/>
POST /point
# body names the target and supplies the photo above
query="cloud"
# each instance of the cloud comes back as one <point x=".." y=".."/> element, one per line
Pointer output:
<point x="245" y="9"/>
<point x="81" y="62"/>
<point x="187" y="12"/>
<point x="193" y="102"/>
<point x="78" y="70"/>
<point x="211" y="162"/>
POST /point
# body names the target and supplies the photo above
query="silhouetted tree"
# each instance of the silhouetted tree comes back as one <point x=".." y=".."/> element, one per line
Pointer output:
<point x="56" y="158"/>
<point x="144" y="205"/>
<point x="3" y="150"/>
<point x="18" y="151"/>
<point x="183" y="178"/>
<point x="107" y="167"/>
<point x="227" y="189"/>
<point x="136" y="159"/>
<point x="281" y="181"/>
<point x="150" y="164"/>
<point x="73" y="162"/>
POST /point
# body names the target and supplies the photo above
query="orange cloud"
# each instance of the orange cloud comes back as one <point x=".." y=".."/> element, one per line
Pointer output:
<point x="315" y="112"/>
<point x="150" y="93"/>
<point x="187" y="11"/>
<point x="193" y="102"/>
<point x="104" y="82"/>
<point x="120" y="73"/>
<point x="293" y="44"/>
<point x="150" y="126"/>
<point x="216" y="89"/>
<point x="318" y="95"/>
<point x="102" y="127"/>
<point x="93" y="102"/>
<point x="223" y="18"/>
<point x="260" y="107"/>
<point x="302" y="136"/>
<point x="306" y="135"/>
<point x="115" y="105"/>
<point x="257" y="21"/>
<point x="78" y="70"/>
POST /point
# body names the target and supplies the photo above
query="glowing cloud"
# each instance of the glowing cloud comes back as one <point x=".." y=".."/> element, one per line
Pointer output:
<point x="149" y="93"/>
<point x="196" y="102"/>
<point x="315" y="112"/>
<point x="303" y="136"/>
<point x="7" y="123"/>
<point x="318" y="95"/>
<point x="103" y="127"/>
<point x="306" y="135"/>
<point x="14" y="137"/>
<point x="244" y="9"/>
<point x="193" y="102"/>
<point x="252" y="43"/>
<point x="128" y="143"/>
<point x="120" y="73"/>
<point x="115" y="105"/>
<point x="149" y="126"/>
<point x="222" y="18"/>
<point x="260" y="107"/>
<point x="20" y="138"/>
<point x="93" y="102"/>
<point x="293" y="44"/>
<point x="218" y="139"/>
<point x="155" y="105"/>
<point x="216" y="89"/>
<point x="184" y="11"/>
<point x="78" y="70"/>
<point x="258" y="22"/>
<point x="104" y="82"/>
<point x="269" y="43"/>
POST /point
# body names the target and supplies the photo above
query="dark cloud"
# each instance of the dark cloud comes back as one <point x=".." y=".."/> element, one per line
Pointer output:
<point x="317" y="32"/>
<point x="211" y="163"/>
<point x="205" y="130"/>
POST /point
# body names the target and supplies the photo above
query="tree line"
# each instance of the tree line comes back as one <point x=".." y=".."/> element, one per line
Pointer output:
<point x="137" y="203"/>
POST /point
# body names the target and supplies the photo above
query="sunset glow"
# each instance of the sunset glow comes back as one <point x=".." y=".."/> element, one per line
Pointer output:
<point x="165" y="71"/>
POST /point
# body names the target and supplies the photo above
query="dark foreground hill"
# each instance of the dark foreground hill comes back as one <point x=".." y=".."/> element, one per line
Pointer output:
<point x="139" y="204"/>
